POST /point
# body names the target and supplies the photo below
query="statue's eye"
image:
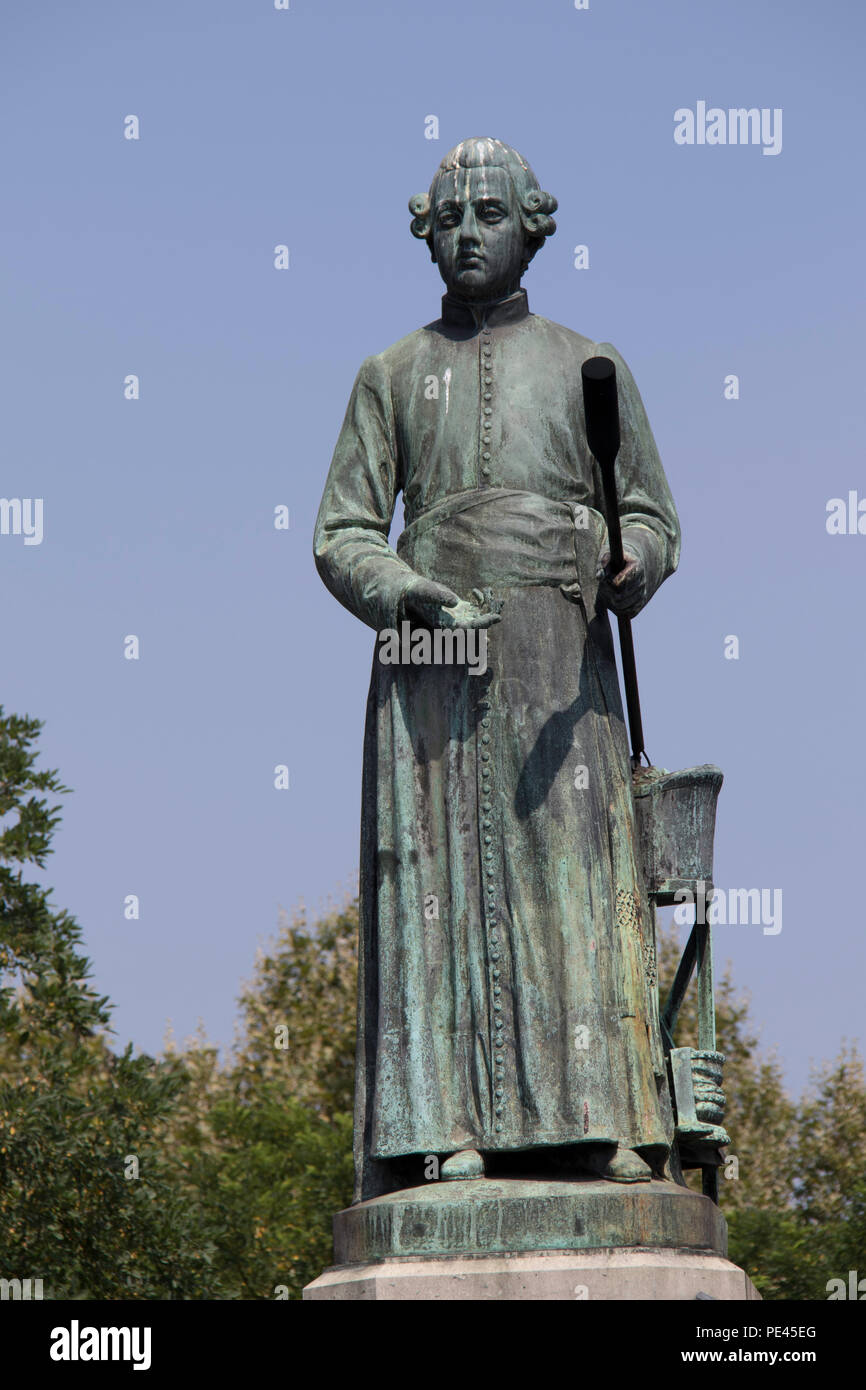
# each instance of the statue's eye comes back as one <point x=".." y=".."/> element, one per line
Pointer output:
<point x="448" y="219"/>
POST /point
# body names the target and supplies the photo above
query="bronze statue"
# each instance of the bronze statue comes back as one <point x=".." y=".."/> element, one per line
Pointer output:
<point x="508" y="1016"/>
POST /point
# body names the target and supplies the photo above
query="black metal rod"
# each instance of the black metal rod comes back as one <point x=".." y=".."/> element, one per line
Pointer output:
<point x="601" y="409"/>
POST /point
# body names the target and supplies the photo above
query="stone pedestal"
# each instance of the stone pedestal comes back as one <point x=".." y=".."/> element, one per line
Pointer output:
<point x="521" y="1239"/>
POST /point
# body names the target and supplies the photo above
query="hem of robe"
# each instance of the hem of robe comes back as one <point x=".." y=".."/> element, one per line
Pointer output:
<point x="545" y="1140"/>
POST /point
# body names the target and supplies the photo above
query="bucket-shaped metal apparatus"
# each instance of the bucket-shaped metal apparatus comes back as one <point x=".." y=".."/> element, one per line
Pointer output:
<point x="675" y="815"/>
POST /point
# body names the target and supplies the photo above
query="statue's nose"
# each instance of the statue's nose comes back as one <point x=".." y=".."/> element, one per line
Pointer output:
<point x="469" y="227"/>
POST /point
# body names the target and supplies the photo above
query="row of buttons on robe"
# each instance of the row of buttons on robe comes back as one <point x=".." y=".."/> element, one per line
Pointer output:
<point x="488" y="862"/>
<point x="488" y="858"/>
<point x="487" y="397"/>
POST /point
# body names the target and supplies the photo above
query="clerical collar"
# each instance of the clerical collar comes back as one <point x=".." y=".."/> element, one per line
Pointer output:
<point x="481" y="315"/>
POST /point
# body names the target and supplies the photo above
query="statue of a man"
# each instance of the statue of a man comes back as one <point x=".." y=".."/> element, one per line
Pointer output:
<point x="508" y="1018"/>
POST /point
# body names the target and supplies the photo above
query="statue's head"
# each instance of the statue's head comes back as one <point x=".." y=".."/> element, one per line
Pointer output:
<point x="483" y="219"/>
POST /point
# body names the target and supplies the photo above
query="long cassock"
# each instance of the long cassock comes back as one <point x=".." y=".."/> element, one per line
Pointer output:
<point x="507" y="997"/>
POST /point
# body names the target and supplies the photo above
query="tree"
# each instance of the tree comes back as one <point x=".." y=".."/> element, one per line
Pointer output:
<point x="265" y="1143"/>
<point x="85" y="1198"/>
<point x="299" y="1013"/>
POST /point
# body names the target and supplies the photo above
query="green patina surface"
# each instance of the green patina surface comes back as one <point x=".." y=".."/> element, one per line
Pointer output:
<point x="508" y="1000"/>
<point x="484" y="1217"/>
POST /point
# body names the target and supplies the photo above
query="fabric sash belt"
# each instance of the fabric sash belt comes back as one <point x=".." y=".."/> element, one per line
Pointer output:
<point x="502" y="537"/>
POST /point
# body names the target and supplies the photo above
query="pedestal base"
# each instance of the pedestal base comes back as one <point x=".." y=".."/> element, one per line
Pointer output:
<point x="610" y="1275"/>
<point x="523" y="1239"/>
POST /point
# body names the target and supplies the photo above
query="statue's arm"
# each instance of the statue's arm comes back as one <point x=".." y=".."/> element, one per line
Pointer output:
<point x="648" y="517"/>
<point x="350" y="545"/>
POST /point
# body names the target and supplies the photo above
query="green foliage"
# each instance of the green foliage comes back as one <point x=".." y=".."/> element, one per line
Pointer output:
<point x="73" y="1115"/>
<point x="307" y="983"/>
<point x="269" y="1190"/>
<point x="265" y="1143"/>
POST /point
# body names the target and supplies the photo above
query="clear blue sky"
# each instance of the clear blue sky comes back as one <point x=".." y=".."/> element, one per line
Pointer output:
<point x="155" y="257"/>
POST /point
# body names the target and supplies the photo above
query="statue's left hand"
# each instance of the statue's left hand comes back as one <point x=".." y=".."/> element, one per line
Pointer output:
<point x="625" y="593"/>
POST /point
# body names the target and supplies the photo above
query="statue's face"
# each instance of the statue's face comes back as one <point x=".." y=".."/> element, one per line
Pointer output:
<point x="478" y="236"/>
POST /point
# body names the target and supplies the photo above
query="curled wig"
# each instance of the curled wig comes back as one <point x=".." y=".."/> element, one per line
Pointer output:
<point x="536" y="206"/>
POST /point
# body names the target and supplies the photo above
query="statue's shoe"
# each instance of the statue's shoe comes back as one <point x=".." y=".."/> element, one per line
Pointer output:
<point x="627" y="1166"/>
<point x="468" y="1163"/>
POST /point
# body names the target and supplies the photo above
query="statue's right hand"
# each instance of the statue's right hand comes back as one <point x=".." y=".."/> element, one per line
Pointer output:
<point x="438" y="606"/>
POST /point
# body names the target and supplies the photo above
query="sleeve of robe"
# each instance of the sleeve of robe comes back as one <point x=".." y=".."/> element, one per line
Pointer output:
<point x="350" y="545"/>
<point x="648" y="517"/>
